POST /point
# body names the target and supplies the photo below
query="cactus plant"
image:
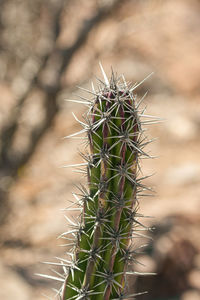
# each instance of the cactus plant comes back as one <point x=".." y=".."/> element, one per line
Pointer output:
<point x="103" y="247"/>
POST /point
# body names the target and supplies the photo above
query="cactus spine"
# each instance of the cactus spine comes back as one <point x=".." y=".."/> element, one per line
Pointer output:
<point x="109" y="220"/>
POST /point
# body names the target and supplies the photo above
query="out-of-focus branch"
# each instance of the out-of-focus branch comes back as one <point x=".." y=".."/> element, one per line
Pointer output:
<point x="11" y="126"/>
<point x="51" y="90"/>
<point x="10" y="165"/>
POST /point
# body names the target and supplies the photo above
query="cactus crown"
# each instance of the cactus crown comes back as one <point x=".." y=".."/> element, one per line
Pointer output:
<point x="104" y="236"/>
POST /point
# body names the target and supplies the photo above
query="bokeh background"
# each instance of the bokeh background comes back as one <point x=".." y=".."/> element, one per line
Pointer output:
<point x="47" y="48"/>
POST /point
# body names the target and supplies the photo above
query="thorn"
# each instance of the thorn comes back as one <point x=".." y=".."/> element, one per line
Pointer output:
<point x="77" y="101"/>
<point x="75" y="134"/>
<point x="75" y="165"/>
<point x="151" y="117"/>
<point x="50" y="277"/>
<point x="70" y="221"/>
<point x="88" y="91"/>
<point x="93" y="89"/>
<point x="140" y="273"/>
<point x="75" y="117"/>
<point x="125" y="84"/>
<point x="141" y="100"/>
<point x="152" y="122"/>
<point x="134" y="87"/>
<point x="104" y="75"/>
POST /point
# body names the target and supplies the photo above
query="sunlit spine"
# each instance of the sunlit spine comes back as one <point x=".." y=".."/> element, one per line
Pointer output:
<point x="102" y="242"/>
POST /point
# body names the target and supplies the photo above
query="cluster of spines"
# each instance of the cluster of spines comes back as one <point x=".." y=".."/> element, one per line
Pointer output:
<point x="102" y="241"/>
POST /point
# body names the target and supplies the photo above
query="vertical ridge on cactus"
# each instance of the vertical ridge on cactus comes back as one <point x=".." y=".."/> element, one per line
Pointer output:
<point x="102" y="242"/>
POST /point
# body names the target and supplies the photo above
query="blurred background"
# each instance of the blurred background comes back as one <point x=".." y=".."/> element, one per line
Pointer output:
<point x="47" y="48"/>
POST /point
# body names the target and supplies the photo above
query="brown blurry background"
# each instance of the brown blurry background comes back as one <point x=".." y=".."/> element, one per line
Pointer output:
<point x="47" y="48"/>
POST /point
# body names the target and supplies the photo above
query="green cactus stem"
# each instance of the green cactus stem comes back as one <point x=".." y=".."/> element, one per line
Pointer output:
<point x="102" y="251"/>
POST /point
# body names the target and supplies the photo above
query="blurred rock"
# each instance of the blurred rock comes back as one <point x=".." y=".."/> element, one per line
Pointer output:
<point x="194" y="279"/>
<point x="145" y="264"/>
<point x="173" y="254"/>
<point x="191" y="295"/>
<point x="12" y="286"/>
<point x="185" y="174"/>
<point x="182" y="128"/>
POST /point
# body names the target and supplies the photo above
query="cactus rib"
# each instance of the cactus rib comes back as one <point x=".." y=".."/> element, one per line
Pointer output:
<point x="108" y="223"/>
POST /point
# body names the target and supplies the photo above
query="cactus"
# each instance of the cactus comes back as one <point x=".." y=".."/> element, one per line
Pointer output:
<point x="103" y="248"/>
